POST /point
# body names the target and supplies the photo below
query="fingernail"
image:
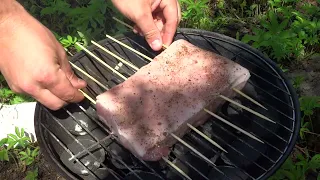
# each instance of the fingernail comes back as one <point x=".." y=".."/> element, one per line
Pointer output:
<point x="156" y="44"/>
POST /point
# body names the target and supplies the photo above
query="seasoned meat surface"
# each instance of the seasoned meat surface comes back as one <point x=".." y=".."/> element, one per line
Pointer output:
<point x="165" y="95"/>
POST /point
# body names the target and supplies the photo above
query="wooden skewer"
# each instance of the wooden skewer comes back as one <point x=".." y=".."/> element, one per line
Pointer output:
<point x="89" y="76"/>
<point x="127" y="25"/>
<point x="206" y="137"/>
<point x="234" y="126"/>
<point x="176" y="168"/>
<point x="249" y="98"/>
<point x="88" y="97"/>
<point x="102" y="62"/>
<point x="115" y="56"/>
<point x="248" y="109"/>
<point x="192" y="149"/>
<point x="128" y="47"/>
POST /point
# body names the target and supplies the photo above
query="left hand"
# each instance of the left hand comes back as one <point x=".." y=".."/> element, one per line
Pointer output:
<point x="156" y="20"/>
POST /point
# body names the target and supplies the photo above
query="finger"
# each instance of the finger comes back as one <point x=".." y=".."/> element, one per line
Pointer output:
<point x="66" y="68"/>
<point x="59" y="85"/>
<point x="46" y="98"/>
<point x="149" y="29"/>
<point x="171" y="22"/>
<point x="159" y="24"/>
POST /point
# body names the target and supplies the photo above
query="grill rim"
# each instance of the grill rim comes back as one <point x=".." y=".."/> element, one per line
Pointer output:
<point x="40" y="109"/>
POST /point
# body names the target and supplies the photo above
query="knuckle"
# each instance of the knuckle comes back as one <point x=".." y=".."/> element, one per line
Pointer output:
<point x="45" y="77"/>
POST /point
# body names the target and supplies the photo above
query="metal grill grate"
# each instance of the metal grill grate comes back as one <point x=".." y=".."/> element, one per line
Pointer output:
<point x="82" y="147"/>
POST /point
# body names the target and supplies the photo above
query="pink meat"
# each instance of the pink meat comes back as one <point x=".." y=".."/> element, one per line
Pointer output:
<point x="165" y="95"/>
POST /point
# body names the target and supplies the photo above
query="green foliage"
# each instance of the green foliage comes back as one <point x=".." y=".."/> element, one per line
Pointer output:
<point x="297" y="81"/>
<point x="32" y="175"/>
<point x="19" y="146"/>
<point x="297" y="170"/>
<point x="196" y="14"/>
<point x="29" y="156"/>
<point x="308" y="104"/>
<point x="286" y="32"/>
<point x="67" y="18"/>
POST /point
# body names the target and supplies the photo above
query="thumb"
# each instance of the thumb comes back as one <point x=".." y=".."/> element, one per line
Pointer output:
<point x="66" y="68"/>
<point x="150" y="31"/>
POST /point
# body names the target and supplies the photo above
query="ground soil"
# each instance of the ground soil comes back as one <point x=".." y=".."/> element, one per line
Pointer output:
<point x="10" y="170"/>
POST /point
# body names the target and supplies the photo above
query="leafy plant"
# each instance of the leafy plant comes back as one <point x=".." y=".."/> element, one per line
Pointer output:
<point x="307" y="105"/>
<point x="297" y="170"/>
<point x="286" y="33"/>
<point x="29" y="156"/>
<point x="297" y="81"/>
<point x="32" y="175"/>
<point x="196" y="14"/>
<point x="18" y="146"/>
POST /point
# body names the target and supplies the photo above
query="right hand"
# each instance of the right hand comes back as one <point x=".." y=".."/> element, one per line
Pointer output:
<point x="34" y="63"/>
<point x="156" y="20"/>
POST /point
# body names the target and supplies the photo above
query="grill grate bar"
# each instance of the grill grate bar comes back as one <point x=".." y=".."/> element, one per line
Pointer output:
<point x="78" y="142"/>
<point x="146" y="165"/>
<point x="98" y="143"/>
<point x="193" y="136"/>
<point x="265" y="142"/>
<point x="176" y="168"/>
<point x="206" y="137"/>
<point x="128" y="47"/>
<point x="237" y="137"/>
<point x="102" y="62"/>
<point x="192" y="167"/>
<point x="259" y="124"/>
<point x="93" y="119"/>
<point x="247" y="109"/>
<point x="116" y="56"/>
<point x="67" y="150"/>
<point x="249" y="98"/>
<point x="235" y="127"/>
<point x="279" y="111"/>
<point x="89" y="76"/>
<point x="197" y="153"/>
<point x="218" y="137"/>
<point x="276" y="98"/>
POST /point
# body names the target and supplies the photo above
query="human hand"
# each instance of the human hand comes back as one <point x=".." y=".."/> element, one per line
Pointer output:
<point x="34" y="63"/>
<point x="156" y="20"/>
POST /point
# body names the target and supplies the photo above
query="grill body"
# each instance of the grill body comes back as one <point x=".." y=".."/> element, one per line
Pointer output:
<point x="76" y="130"/>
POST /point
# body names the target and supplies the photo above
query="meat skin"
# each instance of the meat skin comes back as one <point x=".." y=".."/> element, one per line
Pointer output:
<point x="165" y="95"/>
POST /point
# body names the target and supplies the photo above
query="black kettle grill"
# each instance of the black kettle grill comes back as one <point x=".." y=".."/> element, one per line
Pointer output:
<point x="79" y="146"/>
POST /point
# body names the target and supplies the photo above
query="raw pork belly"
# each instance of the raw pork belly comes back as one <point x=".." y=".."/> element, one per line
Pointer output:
<point x="165" y="95"/>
